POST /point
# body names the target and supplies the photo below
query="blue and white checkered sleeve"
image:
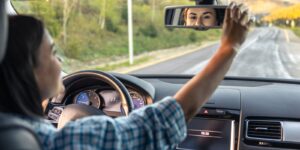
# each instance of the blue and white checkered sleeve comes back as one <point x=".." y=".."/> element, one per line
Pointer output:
<point x="158" y="126"/>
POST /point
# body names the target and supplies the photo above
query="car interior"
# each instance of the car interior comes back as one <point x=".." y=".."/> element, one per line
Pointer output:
<point x="244" y="113"/>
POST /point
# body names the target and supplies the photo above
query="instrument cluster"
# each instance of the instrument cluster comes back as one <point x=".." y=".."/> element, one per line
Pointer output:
<point x="108" y="100"/>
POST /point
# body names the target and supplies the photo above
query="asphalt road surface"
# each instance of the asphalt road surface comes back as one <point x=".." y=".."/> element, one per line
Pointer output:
<point x="268" y="52"/>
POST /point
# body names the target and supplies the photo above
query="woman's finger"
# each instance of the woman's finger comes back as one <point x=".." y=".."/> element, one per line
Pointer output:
<point x="232" y="8"/>
<point x="231" y="5"/>
<point x="244" y="17"/>
<point x="237" y="12"/>
<point x="248" y="24"/>
<point x="227" y="14"/>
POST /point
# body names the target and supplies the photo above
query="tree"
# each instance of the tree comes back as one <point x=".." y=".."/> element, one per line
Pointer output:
<point x="102" y="16"/>
<point x="68" y="6"/>
<point x="289" y="13"/>
<point x="153" y="10"/>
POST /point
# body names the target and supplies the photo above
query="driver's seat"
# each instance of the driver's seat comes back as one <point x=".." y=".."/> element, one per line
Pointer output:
<point x="15" y="134"/>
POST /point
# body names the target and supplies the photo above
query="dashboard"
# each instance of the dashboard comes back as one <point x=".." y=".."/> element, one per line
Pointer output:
<point x="242" y="114"/>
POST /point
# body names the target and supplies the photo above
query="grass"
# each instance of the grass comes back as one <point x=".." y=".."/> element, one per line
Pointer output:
<point x="109" y="67"/>
<point x="296" y="31"/>
<point x="112" y="45"/>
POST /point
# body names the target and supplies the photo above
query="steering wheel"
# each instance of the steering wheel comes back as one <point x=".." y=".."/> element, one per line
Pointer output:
<point x="74" y="111"/>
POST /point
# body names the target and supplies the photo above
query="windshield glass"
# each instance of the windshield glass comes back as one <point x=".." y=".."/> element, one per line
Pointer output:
<point x="93" y="34"/>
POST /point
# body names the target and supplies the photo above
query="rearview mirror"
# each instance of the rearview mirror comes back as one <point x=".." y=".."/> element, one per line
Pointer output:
<point x="198" y="17"/>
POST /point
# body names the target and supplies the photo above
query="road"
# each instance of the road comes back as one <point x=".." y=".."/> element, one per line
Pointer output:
<point x="267" y="52"/>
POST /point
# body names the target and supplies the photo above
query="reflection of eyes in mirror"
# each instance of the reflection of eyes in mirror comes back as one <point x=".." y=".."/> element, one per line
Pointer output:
<point x="197" y="17"/>
<point x="206" y="17"/>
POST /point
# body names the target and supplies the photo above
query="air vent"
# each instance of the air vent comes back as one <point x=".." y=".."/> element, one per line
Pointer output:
<point x="264" y="130"/>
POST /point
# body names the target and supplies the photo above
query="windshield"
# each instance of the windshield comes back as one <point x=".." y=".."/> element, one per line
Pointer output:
<point x="93" y="34"/>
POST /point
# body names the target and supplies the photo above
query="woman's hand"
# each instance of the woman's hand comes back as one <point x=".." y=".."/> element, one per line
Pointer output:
<point x="198" y="90"/>
<point x="235" y="27"/>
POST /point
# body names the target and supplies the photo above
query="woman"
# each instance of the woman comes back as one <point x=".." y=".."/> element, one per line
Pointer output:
<point x="30" y="72"/>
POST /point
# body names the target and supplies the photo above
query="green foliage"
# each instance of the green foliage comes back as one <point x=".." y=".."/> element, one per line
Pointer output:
<point x="121" y="64"/>
<point x="193" y="37"/>
<point x="124" y="15"/>
<point x="149" y="30"/>
<point x="111" y="26"/>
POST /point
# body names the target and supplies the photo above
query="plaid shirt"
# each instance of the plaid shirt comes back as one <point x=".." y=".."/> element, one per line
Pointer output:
<point x="154" y="127"/>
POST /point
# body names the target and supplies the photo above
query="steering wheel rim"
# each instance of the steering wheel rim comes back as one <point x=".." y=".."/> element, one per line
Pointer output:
<point x="70" y="112"/>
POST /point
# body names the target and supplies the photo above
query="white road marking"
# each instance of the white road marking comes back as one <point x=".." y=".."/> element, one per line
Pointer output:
<point x="287" y="36"/>
<point x="248" y="44"/>
<point x="292" y="58"/>
<point x="197" y="68"/>
<point x="280" y="66"/>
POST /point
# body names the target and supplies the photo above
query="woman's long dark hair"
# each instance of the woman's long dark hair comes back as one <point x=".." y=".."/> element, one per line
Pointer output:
<point x="19" y="93"/>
